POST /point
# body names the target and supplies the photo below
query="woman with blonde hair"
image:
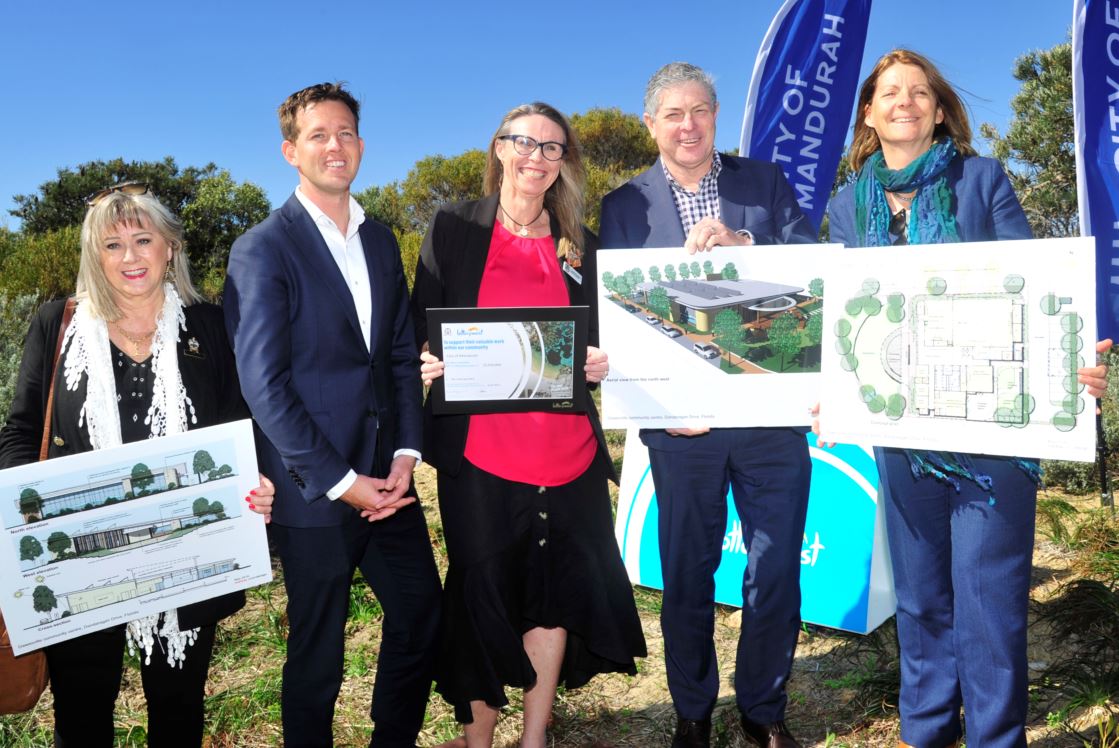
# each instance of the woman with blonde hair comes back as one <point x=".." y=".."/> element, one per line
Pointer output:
<point x="142" y="357"/>
<point x="536" y="593"/>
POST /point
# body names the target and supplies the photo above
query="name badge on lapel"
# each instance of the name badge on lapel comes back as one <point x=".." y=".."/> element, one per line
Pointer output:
<point x="193" y="349"/>
<point x="575" y="274"/>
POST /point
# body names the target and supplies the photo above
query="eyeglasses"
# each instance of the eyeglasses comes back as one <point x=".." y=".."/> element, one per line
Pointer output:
<point x="899" y="226"/>
<point x="524" y="145"/>
<point x="127" y="188"/>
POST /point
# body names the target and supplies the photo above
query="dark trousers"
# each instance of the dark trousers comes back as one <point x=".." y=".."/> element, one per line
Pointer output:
<point x="395" y="557"/>
<point x="962" y="574"/>
<point x="85" y="680"/>
<point x="768" y="472"/>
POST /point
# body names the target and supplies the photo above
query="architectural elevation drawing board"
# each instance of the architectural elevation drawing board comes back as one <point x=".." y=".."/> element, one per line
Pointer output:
<point x="93" y="540"/>
<point x="962" y="347"/>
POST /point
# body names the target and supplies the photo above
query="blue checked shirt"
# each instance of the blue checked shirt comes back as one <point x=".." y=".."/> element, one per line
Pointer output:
<point x="704" y="202"/>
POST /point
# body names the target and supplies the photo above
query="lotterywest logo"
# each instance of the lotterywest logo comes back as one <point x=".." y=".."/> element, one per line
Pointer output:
<point x="809" y="552"/>
<point x="472" y="330"/>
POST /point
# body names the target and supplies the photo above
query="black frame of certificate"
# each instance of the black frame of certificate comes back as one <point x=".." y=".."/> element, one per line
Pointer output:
<point x="437" y="319"/>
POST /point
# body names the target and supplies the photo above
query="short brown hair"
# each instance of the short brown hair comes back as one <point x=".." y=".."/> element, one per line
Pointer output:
<point x="313" y="95"/>
<point x="955" y="124"/>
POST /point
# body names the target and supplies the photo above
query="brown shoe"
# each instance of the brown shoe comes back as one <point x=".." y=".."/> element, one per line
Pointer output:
<point x="773" y="735"/>
<point x="692" y="733"/>
<point x="903" y="744"/>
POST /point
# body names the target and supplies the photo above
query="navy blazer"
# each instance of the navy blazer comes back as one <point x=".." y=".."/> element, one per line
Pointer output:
<point x="449" y="274"/>
<point x="322" y="402"/>
<point x="985" y="205"/>
<point x="753" y="195"/>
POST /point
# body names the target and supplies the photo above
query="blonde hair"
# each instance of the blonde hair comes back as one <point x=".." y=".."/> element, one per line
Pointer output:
<point x="141" y="211"/>
<point x="564" y="199"/>
<point x="955" y="124"/>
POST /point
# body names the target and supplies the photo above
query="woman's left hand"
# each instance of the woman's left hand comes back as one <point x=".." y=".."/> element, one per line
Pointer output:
<point x="260" y="498"/>
<point x="597" y="366"/>
<point x="1095" y="376"/>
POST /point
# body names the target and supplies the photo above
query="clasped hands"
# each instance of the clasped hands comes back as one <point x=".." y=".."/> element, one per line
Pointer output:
<point x="596" y="367"/>
<point x="709" y="233"/>
<point x="378" y="498"/>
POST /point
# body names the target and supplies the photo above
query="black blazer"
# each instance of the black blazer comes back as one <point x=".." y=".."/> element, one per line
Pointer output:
<point x="449" y="274"/>
<point x="208" y="375"/>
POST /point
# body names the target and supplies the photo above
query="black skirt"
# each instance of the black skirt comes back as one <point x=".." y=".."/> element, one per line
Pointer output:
<point x="521" y="557"/>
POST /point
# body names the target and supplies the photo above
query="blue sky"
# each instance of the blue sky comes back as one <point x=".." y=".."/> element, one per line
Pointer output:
<point x="200" y="80"/>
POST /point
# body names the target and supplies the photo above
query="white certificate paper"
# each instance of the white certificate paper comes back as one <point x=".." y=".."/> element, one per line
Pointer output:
<point x="509" y="359"/>
<point x="97" y="539"/>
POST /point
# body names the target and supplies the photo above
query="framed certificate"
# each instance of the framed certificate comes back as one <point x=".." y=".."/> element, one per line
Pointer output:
<point x="509" y="359"/>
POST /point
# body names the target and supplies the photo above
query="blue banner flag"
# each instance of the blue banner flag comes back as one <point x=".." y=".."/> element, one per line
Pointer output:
<point x="800" y="99"/>
<point x="1095" y="101"/>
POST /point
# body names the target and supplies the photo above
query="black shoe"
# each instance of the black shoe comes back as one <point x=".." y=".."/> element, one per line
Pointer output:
<point x="691" y="733"/>
<point x="773" y="735"/>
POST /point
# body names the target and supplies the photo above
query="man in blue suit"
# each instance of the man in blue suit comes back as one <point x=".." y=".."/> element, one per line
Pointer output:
<point x="696" y="198"/>
<point x="317" y="308"/>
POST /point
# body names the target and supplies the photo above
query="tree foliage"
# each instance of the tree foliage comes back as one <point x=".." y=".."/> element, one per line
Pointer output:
<point x="141" y="477"/>
<point x="659" y="303"/>
<point x="1038" y="149"/>
<point x="202" y="464"/>
<point x="784" y="337"/>
<point x="43" y="599"/>
<point x="219" y="211"/>
<point x="29" y="548"/>
<point x="214" y="209"/>
<point x="58" y="542"/>
<point x="728" y="331"/>
<point x="200" y="506"/>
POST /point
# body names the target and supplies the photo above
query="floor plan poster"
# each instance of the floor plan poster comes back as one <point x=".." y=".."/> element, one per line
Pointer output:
<point x="965" y="347"/>
<point x="730" y="337"/>
<point x="97" y="539"/>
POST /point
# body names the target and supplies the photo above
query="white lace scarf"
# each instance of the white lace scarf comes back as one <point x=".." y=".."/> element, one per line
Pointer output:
<point x="87" y="355"/>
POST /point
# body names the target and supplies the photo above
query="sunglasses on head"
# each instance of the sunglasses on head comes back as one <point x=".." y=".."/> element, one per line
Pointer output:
<point x="127" y="188"/>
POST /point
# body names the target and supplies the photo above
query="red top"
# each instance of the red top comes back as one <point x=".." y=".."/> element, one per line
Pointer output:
<point x="543" y="449"/>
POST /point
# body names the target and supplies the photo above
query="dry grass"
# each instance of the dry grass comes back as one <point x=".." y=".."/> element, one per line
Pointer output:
<point x="841" y="692"/>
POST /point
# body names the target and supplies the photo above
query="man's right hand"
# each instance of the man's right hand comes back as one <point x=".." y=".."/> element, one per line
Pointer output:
<point x="366" y="496"/>
<point x="687" y="432"/>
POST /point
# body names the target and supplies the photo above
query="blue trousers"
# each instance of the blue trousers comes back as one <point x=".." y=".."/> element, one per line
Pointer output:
<point x="395" y="557"/>
<point x="768" y="471"/>
<point x="962" y="573"/>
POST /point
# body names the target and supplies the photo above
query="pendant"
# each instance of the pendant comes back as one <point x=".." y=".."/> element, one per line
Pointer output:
<point x="523" y="231"/>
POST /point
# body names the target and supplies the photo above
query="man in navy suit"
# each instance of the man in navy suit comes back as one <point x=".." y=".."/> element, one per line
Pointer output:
<point x="696" y="198"/>
<point x="317" y="309"/>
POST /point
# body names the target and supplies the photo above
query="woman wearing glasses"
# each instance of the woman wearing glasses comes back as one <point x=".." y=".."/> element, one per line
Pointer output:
<point x="960" y="526"/>
<point x="535" y="593"/>
<point x="142" y="357"/>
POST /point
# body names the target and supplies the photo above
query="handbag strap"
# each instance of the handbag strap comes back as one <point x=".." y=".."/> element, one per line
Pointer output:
<point x="67" y="315"/>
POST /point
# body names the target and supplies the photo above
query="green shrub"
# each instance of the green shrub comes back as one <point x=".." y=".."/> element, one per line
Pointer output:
<point x="44" y="265"/>
<point x="15" y="315"/>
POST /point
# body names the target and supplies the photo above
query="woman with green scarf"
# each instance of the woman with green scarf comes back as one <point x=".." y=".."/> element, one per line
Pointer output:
<point x="961" y="558"/>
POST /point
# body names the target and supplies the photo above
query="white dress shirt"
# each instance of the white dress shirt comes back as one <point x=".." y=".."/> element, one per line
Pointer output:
<point x="349" y="255"/>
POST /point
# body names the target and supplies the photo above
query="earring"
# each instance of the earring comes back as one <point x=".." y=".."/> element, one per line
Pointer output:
<point x="169" y="272"/>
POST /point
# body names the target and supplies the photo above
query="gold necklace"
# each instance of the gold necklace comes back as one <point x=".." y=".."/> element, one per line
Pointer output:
<point x="523" y="230"/>
<point x="138" y="341"/>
